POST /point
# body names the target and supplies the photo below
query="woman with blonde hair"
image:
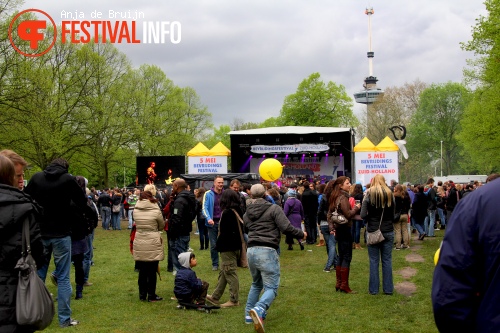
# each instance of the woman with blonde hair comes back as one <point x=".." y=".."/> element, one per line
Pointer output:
<point x="378" y="212"/>
<point x="339" y="201"/>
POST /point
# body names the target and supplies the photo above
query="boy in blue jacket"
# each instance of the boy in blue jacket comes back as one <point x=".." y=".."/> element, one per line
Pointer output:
<point x="187" y="287"/>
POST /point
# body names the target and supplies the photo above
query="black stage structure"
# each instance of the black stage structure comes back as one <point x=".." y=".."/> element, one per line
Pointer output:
<point x="305" y="151"/>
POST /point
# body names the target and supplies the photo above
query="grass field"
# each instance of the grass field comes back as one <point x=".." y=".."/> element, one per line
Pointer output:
<point x="306" y="302"/>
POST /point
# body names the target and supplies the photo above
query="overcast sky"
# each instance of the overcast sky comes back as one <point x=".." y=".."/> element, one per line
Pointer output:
<point x="244" y="57"/>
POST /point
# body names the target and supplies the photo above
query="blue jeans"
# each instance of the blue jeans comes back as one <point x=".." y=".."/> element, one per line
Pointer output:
<point x="130" y="217"/>
<point x="381" y="252"/>
<point x="88" y="256"/>
<point x="115" y="221"/>
<point x="106" y="217"/>
<point x="356" y="230"/>
<point x="264" y="265"/>
<point x="331" y="250"/>
<point x="178" y="246"/>
<point x="212" y="237"/>
<point x="61" y="248"/>
<point x="420" y="228"/>
<point x="430" y="220"/>
<point x="442" y="216"/>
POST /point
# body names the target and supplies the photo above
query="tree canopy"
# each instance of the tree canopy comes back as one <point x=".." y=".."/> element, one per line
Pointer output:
<point x="87" y="104"/>
<point x="480" y="136"/>
<point x="316" y="103"/>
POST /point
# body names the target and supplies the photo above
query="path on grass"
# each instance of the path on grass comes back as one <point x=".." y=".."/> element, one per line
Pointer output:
<point x="408" y="288"/>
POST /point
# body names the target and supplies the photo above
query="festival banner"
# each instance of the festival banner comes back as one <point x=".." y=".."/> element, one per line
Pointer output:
<point x="207" y="164"/>
<point x="368" y="164"/>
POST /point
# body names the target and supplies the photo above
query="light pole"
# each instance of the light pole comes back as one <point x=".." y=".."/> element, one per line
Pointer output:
<point x="441" y="158"/>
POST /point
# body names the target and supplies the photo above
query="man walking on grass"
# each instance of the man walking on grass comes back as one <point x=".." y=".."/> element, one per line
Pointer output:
<point x="54" y="189"/>
<point x="264" y="223"/>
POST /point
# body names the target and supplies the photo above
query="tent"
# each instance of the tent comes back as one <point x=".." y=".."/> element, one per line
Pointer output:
<point x="199" y="150"/>
<point x="364" y="145"/>
<point x="220" y="150"/>
<point x="387" y="145"/>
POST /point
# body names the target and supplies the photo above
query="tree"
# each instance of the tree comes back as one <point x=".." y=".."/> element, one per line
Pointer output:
<point x="480" y="136"/>
<point x="318" y="104"/>
<point x="220" y="134"/>
<point x="438" y="119"/>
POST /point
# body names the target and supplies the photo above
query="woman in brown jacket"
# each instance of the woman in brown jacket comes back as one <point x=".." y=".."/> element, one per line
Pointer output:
<point x="340" y="199"/>
<point x="148" y="245"/>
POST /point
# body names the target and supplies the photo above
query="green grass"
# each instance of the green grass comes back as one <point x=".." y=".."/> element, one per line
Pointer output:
<point x="306" y="302"/>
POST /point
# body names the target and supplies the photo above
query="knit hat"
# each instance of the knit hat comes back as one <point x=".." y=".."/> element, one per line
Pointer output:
<point x="292" y="193"/>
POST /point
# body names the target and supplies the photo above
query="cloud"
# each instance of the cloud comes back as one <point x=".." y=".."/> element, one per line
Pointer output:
<point x="243" y="58"/>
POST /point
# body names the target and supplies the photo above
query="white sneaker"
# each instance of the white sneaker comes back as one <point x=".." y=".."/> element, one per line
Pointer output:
<point x="70" y="322"/>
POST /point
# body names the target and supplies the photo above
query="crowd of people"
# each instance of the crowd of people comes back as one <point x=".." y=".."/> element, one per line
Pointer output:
<point x="225" y="218"/>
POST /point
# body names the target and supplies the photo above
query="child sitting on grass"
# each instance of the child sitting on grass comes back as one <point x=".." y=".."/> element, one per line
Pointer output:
<point x="188" y="288"/>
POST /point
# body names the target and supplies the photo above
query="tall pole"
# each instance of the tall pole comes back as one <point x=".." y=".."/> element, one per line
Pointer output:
<point x="441" y="158"/>
<point x="370" y="12"/>
<point x="124" y="176"/>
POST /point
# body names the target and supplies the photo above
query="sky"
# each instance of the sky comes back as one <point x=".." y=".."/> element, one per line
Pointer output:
<point x="244" y="57"/>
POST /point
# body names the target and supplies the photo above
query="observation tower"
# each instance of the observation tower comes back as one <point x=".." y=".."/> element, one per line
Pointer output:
<point x="370" y="93"/>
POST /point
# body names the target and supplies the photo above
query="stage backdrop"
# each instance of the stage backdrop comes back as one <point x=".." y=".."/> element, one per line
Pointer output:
<point x="165" y="168"/>
<point x="326" y="168"/>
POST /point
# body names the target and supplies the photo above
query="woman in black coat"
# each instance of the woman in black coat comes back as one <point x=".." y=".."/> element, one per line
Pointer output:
<point x="378" y="212"/>
<point x="15" y="207"/>
<point x="419" y="211"/>
<point x="229" y="245"/>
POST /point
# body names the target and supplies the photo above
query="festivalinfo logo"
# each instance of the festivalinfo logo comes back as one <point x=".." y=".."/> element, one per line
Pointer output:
<point x="30" y="36"/>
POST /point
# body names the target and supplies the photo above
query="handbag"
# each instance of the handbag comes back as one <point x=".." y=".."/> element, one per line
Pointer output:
<point x="334" y="217"/>
<point x="34" y="304"/>
<point x="115" y="209"/>
<point x="242" y="261"/>
<point x="375" y="237"/>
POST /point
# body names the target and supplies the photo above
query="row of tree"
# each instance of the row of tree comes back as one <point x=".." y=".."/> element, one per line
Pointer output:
<point x="86" y="103"/>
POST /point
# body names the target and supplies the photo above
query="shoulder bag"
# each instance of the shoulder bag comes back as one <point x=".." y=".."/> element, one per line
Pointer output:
<point x="115" y="208"/>
<point x="335" y="217"/>
<point x="242" y="260"/>
<point x="375" y="237"/>
<point x="34" y="305"/>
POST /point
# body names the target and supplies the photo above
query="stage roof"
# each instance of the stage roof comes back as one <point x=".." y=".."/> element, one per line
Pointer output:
<point x="291" y="130"/>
